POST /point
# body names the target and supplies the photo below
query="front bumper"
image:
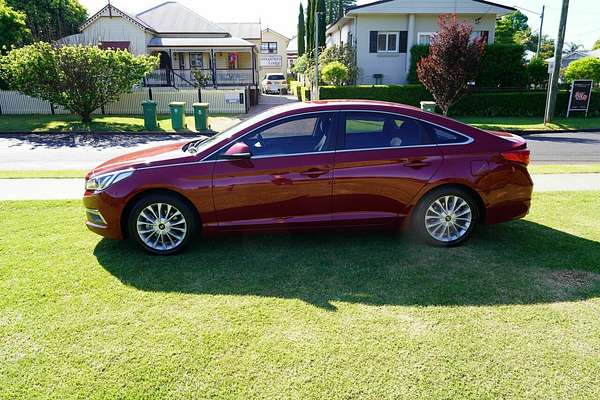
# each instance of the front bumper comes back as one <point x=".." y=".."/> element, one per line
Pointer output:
<point x="103" y="215"/>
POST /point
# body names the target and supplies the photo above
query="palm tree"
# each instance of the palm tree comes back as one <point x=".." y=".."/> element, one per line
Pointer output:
<point x="571" y="47"/>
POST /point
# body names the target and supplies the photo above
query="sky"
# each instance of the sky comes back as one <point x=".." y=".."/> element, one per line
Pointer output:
<point x="583" y="25"/>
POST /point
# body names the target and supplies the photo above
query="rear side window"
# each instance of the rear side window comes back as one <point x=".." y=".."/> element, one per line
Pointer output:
<point x="378" y="130"/>
<point x="444" y="136"/>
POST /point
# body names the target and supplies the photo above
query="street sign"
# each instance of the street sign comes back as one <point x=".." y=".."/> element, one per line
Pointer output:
<point x="579" y="98"/>
<point x="270" y="60"/>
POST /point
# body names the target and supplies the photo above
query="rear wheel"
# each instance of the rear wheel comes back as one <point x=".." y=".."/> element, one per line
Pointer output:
<point x="162" y="224"/>
<point x="446" y="217"/>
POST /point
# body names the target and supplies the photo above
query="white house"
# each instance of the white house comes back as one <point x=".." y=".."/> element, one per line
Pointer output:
<point x="227" y="53"/>
<point x="383" y="32"/>
<point x="273" y="53"/>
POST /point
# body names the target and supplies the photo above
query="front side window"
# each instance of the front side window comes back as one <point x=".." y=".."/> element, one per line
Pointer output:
<point x="268" y="47"/>
<point x="298" y="135"/>
<point x="387" y="42"/>
<point x="375" y="131"/>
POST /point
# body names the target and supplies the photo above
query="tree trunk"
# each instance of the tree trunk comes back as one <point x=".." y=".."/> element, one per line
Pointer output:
<point x="86" y="118"/>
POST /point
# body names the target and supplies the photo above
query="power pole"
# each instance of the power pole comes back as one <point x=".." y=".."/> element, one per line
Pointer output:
<point x="539" y="47"/>
<point x="316" y="91"/>
<point x="553" y="87"/>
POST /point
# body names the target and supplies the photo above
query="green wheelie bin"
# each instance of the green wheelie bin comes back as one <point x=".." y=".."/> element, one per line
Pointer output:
<point x="177" y="114"/>
<point x="150" y="117"/>
<point x="201" y="116"/>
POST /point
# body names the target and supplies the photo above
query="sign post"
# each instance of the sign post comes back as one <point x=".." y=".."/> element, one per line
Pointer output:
<point x="579" y="97"/>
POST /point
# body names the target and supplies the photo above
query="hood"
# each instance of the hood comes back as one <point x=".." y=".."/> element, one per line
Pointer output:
<point x="161" y="155"/>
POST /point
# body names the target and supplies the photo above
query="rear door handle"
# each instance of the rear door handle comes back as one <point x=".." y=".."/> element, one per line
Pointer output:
<point x="314" y="172"/>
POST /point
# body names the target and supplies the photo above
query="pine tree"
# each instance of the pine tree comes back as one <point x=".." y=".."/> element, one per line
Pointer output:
<point x="322" y="24"/>
<point x="301" y="32"/>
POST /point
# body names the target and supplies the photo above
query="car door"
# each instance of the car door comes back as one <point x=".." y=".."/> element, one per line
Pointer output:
<point x="287" y="181"/>
<point x="381" y="162"/>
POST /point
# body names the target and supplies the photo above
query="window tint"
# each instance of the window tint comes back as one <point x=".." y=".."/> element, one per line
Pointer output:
<point x="373" y="130"/>
<point x="443" y="136"/>
<point x="298" y="135"/>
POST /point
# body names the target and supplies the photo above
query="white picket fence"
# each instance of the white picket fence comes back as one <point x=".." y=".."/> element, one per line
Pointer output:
<point x="221" y="101"/>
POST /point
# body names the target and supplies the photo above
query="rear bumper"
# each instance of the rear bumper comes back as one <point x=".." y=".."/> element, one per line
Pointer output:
<point x="510" y="201"/>
<point x="103" y="215"/>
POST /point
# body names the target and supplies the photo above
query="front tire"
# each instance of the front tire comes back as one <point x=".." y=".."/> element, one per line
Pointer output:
<point x="446" y="217"/>
<point x="161" y="224"/>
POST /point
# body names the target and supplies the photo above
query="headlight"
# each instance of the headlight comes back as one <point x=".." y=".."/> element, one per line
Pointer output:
<point x="101" y="182"/>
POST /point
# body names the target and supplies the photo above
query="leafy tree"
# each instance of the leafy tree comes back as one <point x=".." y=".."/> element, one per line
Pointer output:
<point x="571" y="47"/>
<point x="508" y="25"/>
<point x="335" y="73"/>
<point x="50" y="20"/>
<point x="596" y="45"/>
<point x="537" y="71"/>
<point x="301" y="64"/>
<point x="335" y="9"/>
<point x="584" y="68"/>
<point x="322" y="24"/>
<point x="453" y="61"/>
<point x="13" y="29"/>
<point x="80" y="78"/>
<point x="301" y="31"/>
<point x="344" y="54"/>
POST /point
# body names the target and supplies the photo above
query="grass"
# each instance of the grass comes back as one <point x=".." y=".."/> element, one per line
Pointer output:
<point x="32" y="174"/>
<point x="112" y="123"/>
<point x="564" y="169"/>
<point x="531" y="123"/>
<point x="512" y="314"/>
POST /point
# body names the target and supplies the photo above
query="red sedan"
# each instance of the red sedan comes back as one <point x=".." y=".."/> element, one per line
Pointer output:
<point x="327" y="164"/>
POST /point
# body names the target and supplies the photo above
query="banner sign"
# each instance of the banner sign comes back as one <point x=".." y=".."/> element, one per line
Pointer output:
<point x="232" y="98"/>
<point x="579" y="98"/>
<point x="270" y="60"/>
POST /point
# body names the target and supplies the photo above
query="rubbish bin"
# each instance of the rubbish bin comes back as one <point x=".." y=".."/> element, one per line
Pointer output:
<point x="428" y="106"/>
<point x="201" y="116"/>
<point x="150" y="118"/>
<point x="177" y="114"/>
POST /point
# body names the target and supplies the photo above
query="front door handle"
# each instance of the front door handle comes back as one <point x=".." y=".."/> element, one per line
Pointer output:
<point x="314" y="172"/>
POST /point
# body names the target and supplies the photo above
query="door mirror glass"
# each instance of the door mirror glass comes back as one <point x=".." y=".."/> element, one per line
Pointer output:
<point x="240" y="150"/>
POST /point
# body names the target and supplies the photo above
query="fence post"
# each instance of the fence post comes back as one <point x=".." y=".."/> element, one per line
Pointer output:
<point x="52" y="108"/>
<point x="150" y="93"/>
<point x="199" y="95"/>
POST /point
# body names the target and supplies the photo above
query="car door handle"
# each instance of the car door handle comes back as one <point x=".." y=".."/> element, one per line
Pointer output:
<point x="314" y="172"/>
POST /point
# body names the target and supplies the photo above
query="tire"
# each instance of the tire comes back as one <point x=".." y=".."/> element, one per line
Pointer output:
<point x="166" y="224"/>
<point x="446" y="217"/>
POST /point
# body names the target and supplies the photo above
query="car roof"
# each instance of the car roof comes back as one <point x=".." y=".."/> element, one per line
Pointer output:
<point x="322" y="105"/>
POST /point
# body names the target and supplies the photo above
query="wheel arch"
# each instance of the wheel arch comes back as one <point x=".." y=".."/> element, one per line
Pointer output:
<point x="462" y="186"/>
<point x="134" y="199"/>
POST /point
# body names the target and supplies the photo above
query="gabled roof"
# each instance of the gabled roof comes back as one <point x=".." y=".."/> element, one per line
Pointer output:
<point x="244" y="30"/>
<point x="276" y="33"/>
<point x="110" y="10"/>
<point x="435" y="6"/>
<point x="173" y="17"/>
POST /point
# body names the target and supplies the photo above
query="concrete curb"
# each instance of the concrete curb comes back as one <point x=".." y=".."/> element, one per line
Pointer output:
<point x="533" y="132"/>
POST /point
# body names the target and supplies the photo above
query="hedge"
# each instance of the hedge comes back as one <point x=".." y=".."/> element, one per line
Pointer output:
<point x="304" y="93"/>
<point x="482" y="104"/>
<point x="293" y="85"/>
<point x="501" y="66"/>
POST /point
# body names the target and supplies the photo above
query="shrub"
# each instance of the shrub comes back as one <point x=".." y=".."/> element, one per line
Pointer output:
<point x="304" y="93"/>
<point x="584" y="68"/>
<point x="491" y="103"/>
<point x="416" y="53"/>
<point x="335" y="73"/>
<point x="294" y="87"/>
<point x="343" y="54"/>
<point x="537" y="71"/>
<point x="202" y="79"/>
<point x="79" y="78"/>
<point x="301" y="64"/>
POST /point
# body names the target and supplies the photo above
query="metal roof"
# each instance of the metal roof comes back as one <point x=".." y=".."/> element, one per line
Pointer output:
<point x="199" y="42"/>
<point x="244" y="30"/>
<point x="173" y="17"/>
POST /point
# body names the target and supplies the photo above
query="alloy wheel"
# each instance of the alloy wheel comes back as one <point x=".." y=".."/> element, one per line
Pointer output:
<point x="448" y="218"/>
<point x="161" y="226"/>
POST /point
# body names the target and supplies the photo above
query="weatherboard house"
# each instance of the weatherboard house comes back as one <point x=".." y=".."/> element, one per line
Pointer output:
<point x="383" y="32"/>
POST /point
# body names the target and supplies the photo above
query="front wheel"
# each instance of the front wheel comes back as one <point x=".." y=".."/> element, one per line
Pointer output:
<point x="446" y="217"/>
<point x="161" y="224"/>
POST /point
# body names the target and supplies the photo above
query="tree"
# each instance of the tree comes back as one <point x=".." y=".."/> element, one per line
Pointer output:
<point x="310" y="26"/>
<point x="596" y="45"/>
<point x="453" y="61"/>
<point x="321" y="14"/>
<point x="49" y="20"/>
<point x="584" y="68"/>
<point x="509" y="25"/>
<point x="13" y="29"/>
<point x="335" y="9"/>
<point x="537" y="71"/>
<point x="571" y="47"/>
<point x="344" y="54"/>
<point x="80" y="78"/>
<point x="334" y="73"/>
<point x="301" y="32"/>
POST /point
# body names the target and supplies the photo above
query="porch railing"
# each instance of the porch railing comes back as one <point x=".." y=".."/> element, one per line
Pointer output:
<point x="185" y="77"/>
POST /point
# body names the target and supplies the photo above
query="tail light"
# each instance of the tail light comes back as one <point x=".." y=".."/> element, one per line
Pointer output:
<point x="518" y="156"/>
<point x="269" y="82"/>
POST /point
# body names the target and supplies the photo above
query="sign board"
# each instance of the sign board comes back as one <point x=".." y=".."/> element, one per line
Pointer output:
<point x="232" y="98"/>
<point x="579" y="98"/>
<point x="270" y="60"/>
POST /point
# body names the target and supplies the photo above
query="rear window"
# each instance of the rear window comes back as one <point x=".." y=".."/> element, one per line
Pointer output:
<point x="278" y="77"/>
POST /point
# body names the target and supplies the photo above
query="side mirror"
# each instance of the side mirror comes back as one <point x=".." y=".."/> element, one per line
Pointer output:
<point x="238" y="151"/>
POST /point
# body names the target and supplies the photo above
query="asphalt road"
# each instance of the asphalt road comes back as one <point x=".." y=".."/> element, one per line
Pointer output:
<point x="565" y="148"/>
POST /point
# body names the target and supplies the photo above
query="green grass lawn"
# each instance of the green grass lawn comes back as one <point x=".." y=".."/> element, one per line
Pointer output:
<point x="512" y="314"/>
<point x="108" y="123"/>
<point x="530" y="123"/>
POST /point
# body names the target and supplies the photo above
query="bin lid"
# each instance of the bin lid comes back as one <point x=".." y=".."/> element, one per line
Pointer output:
<point x="201" y="105"/>
<point x="428" y="103"/>
<point x="149" y="102"/>
<point x="177" y="103"/>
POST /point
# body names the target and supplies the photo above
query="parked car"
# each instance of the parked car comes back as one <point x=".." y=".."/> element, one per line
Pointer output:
<point x="306" y="166"/>
<point x="274" y="83"/>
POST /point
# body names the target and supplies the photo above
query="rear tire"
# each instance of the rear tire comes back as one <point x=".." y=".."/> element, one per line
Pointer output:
<point x="445" y="217"/>
<point x="162" y="224"/>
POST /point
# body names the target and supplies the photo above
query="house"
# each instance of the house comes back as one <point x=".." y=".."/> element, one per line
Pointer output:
<point x="569" y="58"/>
<point x="226" y="53"/>
<point x="273" y="53"/>
<point x="292" y="52"/>
<point x="383" y="32"/>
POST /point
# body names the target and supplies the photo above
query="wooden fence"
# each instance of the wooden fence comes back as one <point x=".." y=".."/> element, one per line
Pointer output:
<point x="221" y="101"/>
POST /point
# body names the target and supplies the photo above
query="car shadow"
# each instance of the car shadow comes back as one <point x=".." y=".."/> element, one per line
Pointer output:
<point x="514" y="263"/>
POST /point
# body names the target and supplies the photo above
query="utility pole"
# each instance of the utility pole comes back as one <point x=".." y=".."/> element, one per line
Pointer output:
<point x="553" y="87"/>
<point x="315" y="95"/>
<point x="539" y="47"/>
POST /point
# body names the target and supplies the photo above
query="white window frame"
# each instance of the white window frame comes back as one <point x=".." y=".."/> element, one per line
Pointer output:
<point x="421" y="34"/>
<point x="192" y="56"/>
<point x="387" y="35"/>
